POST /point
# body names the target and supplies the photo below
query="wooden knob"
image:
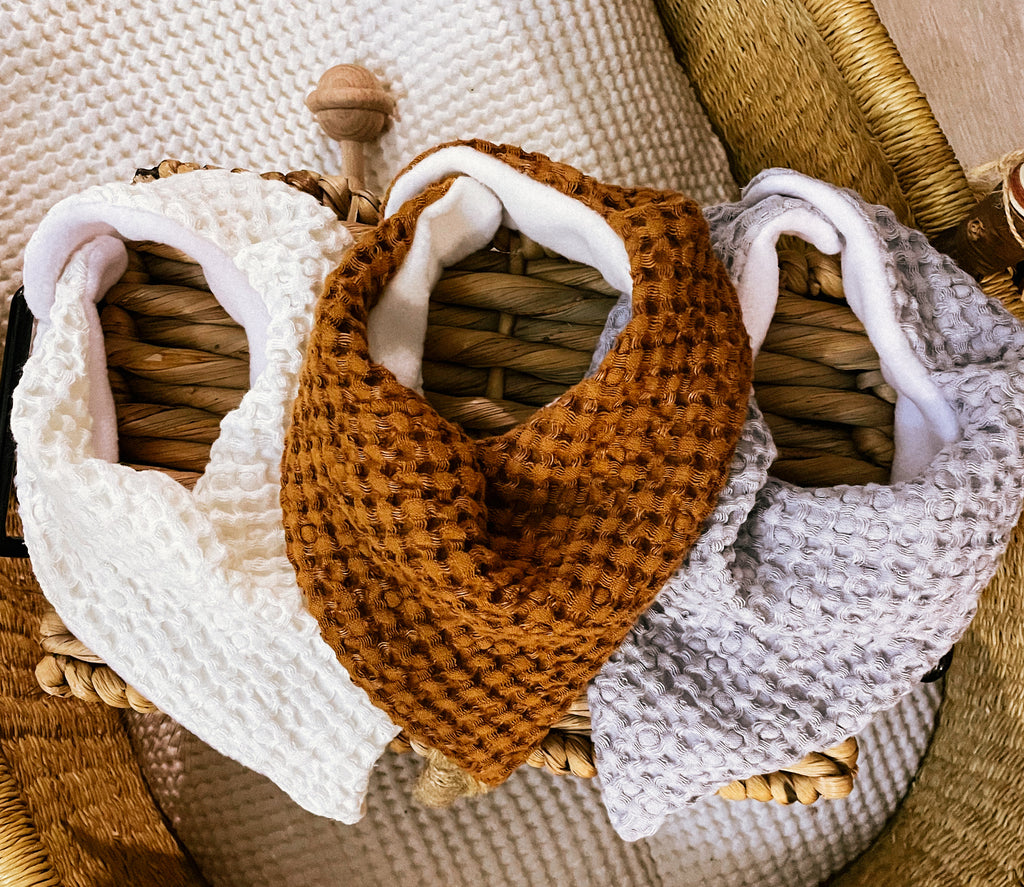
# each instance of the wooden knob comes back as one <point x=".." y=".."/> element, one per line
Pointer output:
<point x="991" y="238"/>
<point x="352" y="108"/>
<point x="350" y="104"/>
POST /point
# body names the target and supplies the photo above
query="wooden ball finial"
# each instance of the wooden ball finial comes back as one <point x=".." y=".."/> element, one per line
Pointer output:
<point x="352" y="108"/>
<point x="350" y="104"/>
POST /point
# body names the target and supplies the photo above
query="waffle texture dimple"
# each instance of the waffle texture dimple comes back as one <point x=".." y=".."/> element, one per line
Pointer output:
<point x="719" y="843"/>
<point x="474" y="587"/>
<point x="189" y="596"/>
<point x="93" y="90"/>
<point x="801" y="613"/>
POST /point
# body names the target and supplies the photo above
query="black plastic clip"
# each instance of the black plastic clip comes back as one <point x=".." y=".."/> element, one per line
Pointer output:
<point x="19" y="341"/>
<point x="941" y="667"/>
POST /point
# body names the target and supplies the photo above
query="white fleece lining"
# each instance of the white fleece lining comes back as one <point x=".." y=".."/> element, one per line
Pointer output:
<point x="542" y="213"/>
<point x="924" y="421"/>
<point x="101" y="229"/>
<point x="458" y="224"/>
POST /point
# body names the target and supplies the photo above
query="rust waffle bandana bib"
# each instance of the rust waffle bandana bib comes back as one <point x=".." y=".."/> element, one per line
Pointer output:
<point x="472" y="587"/>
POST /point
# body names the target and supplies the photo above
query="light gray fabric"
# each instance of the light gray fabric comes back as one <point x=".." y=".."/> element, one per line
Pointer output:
<point x="801" y="613"/>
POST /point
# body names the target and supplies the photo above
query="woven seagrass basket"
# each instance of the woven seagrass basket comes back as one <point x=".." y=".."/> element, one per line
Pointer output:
<point x="510" y="328"/>
<point x="69" y="791"/>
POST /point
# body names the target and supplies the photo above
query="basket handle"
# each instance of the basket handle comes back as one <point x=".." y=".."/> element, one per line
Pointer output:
<point x="353" y="109"/>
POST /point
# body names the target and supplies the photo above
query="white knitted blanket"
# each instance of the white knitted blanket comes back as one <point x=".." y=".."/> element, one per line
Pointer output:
<point x="92" y="90"/>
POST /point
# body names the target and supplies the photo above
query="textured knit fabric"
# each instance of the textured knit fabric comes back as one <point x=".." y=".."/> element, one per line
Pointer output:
<point x="473" y="587"/>
<point x="719" y="843"/>
<point x="801" y="613"/>
<point x="536" y="829"/>
<point x="189" y="596"/>
<point x="592" y="82"/>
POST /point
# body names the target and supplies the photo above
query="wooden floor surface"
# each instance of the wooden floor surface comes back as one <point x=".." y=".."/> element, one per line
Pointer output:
<point x="968" y="58"/>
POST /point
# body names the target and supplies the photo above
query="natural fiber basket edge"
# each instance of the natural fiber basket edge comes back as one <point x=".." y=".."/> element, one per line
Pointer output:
<point x="56" y="828"/>
<point x="74" y="809"/>
<point x="962" y="820"/>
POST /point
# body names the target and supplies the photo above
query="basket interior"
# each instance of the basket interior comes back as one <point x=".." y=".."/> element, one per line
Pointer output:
<point x="510" y="329"/>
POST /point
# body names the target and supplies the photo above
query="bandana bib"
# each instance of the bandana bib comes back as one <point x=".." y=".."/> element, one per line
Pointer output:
<point x="473" y="587"/>
<point x="189" y="595"/>
<point x="801" y="613"/>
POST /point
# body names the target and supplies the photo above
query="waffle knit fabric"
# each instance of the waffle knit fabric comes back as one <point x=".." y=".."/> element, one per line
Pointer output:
<point x="801" y="613"/>
<point x="536" y="829"/>
<point x="593" y="82"/>
<point x="189" y="595"/>
<point x="474" y="587"/>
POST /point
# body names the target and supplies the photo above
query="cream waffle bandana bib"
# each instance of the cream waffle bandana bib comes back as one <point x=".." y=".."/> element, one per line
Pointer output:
<point x="800" y="613"/>
<point x="189" y="595"/>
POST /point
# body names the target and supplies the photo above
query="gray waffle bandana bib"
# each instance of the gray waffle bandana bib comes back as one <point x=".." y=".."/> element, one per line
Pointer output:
<point x="802" y="612"/>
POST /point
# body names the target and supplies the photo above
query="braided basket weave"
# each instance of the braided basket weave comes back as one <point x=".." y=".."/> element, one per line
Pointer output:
<point x="69" y="788"/>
